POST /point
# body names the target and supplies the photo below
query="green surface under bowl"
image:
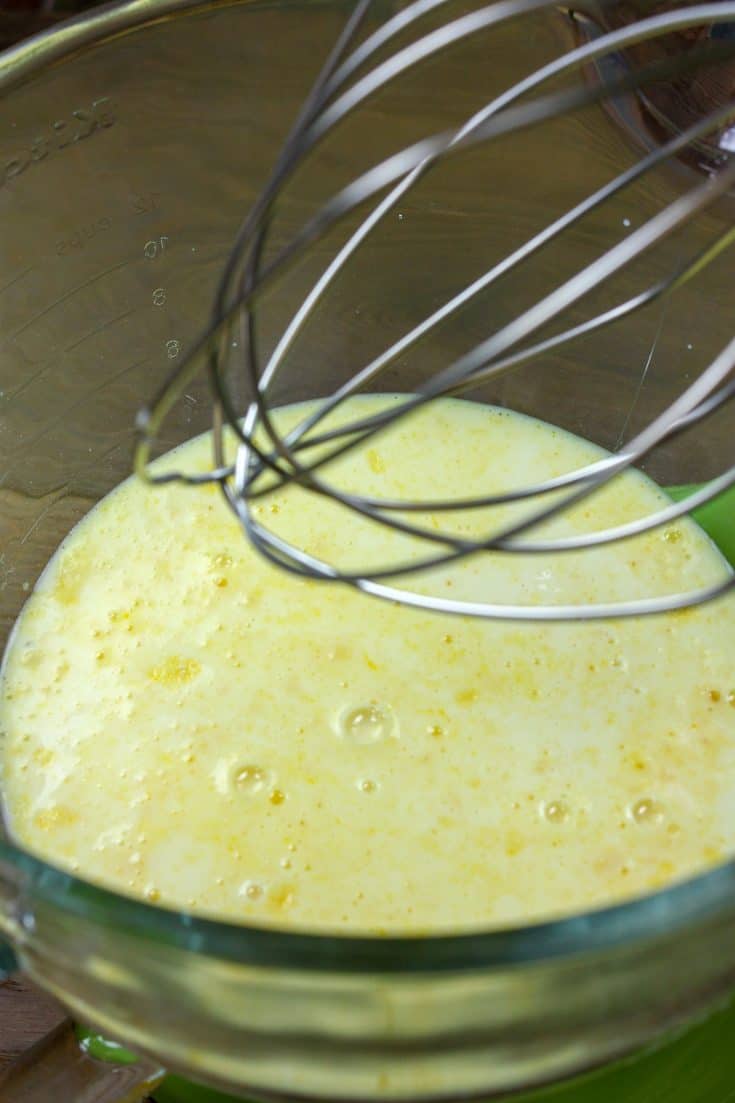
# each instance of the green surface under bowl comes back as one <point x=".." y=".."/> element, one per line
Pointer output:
<point x="696" y="1067"/>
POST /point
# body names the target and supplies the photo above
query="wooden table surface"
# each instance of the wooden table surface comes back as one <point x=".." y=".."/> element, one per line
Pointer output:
<point x="26" y="1014"/>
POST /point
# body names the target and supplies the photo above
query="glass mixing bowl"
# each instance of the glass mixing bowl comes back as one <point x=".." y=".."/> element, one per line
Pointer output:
<point x="131" y="142"/>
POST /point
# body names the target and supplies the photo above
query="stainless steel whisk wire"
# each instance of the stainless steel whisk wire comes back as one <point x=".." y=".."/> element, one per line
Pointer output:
<point x="260" y="469"/>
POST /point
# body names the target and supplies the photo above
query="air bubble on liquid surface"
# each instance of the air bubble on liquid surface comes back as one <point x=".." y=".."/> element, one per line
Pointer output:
<point x="242" y="779"/>
<point x="366" y="724"/>
<point x="646" y="811"/>
<point x="250" y="779"/>
<point x="112" y="837"/>
<point x="555" y="811"/>
<point x="251" y="890"/>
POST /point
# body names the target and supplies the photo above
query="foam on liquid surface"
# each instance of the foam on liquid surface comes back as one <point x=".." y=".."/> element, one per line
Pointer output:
<point x="187" y="724"/>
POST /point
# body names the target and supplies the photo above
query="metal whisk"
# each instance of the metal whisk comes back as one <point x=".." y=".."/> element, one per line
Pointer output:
<point x="267" y="459"/>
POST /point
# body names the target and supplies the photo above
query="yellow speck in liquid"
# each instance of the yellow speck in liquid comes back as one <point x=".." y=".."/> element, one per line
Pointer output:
<point x="466" y="696"/>
<point x="375" y="461"/>
<point x="184" y="723"/>
<point x="55" y="817"/>
<point x="282" y="897"/>
<point x="175" y="671"/>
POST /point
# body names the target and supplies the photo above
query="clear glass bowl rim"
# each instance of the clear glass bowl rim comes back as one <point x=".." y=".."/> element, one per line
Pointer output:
<point x="701" y="899"/>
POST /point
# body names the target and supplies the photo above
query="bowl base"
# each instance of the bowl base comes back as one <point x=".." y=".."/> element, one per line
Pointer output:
<point x="697" y="1066"/>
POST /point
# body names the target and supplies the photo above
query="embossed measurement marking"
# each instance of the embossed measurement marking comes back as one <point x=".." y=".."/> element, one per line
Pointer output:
<point x="81" y="123"/>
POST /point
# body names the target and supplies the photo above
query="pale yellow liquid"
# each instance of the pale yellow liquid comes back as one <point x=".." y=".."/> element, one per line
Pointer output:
<point x="184" y="723"/>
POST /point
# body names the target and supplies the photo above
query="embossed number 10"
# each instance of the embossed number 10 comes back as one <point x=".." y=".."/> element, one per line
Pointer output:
<point x="155" y="246"/>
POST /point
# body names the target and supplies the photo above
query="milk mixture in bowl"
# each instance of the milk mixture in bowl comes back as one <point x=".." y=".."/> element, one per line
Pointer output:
<point x="184" y="723"/>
